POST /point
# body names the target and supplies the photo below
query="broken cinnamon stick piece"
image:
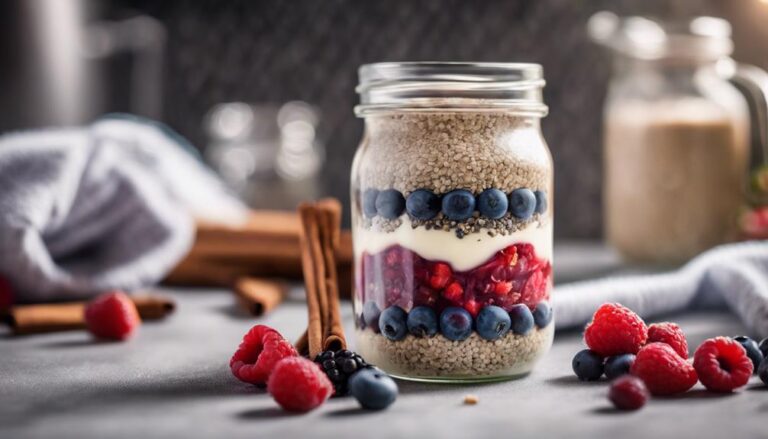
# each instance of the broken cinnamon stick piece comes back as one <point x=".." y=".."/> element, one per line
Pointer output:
<point x="259" y="296"/>
<point x="53" y="317"/>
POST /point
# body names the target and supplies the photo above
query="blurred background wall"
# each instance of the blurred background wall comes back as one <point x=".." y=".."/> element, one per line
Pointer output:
<point x="278" y="51"/>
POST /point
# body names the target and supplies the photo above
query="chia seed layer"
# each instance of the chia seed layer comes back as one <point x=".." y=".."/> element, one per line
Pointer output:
<point x="446" y="151"/>
<point x="473" y="358"/>
<point x="477" y="224"/>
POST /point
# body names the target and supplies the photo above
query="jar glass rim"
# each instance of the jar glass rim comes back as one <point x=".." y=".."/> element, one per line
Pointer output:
<point x="451" y="86"/>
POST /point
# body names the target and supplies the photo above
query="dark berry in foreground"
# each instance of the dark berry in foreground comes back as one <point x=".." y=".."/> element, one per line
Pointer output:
<point x="493" y="322"/>
<point x="541" y="201"/>
<point x="422" y="204"/>
<point x="458" y="204"/>
<point x="762" y="372"/>
<point x="371" y="314"/>
<point x="390" y="203"/>
<point x="373" y="389"/>
<point x="618" y="365"/>
<point x="587" y="365"/>
<point x="492" y="203"/>
<point x="522" y="319"/>
<point x="764" y="347"/>
<point x="369" y="202"/>
<point x="422" y="322"/>
<point x="753" y="350"/>
<point x="522" y="203"/>
<point x="542" y="314"/>
<point x="339" y="367"/>
<point x="393" y="323"/>
<point x="456" y="323"/>
<point x="628" y="393"/>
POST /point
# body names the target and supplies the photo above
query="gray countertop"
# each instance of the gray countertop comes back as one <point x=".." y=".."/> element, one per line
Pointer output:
<point x="173" y="380"/>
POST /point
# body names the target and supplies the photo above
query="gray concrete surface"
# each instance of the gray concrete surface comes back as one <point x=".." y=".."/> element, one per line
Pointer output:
<point x="173" y="381"/>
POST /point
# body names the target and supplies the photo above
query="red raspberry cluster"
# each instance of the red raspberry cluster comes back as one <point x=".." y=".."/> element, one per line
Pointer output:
<point x="264" y="357"/>
<point x="721" y="363"/>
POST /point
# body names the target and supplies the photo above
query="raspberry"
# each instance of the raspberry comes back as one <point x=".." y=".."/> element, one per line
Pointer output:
<point x="472" y="307"/>
<point x="628" y="393"/>
<point x="670" y="334"/>
<point x="722" y="364"/>
<point x="441" y="275"/>
<point x="262" y="347"/>
<point x="298" y="384"/>
<point x="454" y="292"/>
<point x="615" y="330"/>
<point x="663" y="371"/>
<point x="112" y="315"/>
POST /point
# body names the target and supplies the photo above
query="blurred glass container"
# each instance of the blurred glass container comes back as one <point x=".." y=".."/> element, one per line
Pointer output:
<point x="676" y="145"/>
<point x="269" y="154"/>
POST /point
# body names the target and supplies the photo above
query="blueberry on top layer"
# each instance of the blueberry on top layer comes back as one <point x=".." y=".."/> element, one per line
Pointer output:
<point x="369" y="202"/>
<point x="392" y="323"/>
<point x="422" y="321"/>
<point x="522" y="203"/>
<point x="458" y="204"/>
<point x="541" y="201"/>
<point x="493" y="322"/>
<point x="422" y="204"/>
<point x="390" y="203"/>
<point x="492" y="203"/>
<point x="522" y="319"/>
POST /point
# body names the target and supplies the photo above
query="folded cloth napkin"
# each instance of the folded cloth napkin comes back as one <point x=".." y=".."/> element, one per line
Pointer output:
<point x="110" y="205"/>
<point x="733" y="276"/>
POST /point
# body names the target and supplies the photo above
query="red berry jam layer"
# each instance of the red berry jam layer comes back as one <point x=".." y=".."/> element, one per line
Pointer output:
<point x="399" y="276"/>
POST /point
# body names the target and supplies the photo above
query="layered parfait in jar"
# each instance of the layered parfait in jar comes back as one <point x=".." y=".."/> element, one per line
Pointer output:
<point x="452" y="223"/>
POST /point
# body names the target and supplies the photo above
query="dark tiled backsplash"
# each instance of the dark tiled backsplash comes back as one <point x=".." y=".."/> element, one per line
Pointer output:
<point x="275" y="51"/>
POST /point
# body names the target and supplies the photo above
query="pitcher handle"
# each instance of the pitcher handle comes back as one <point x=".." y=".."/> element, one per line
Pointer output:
<point x="753" y="82"/>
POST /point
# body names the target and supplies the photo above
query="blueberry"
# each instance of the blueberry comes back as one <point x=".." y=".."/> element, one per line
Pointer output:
<point x="542" y="314"/>
<point x="762" y="372"/>
<point x="493" y="322"/>
<point x="492" y="203"/>
<point x="522" y="203"/>
<point x="390" y="203"/>
<point x="392" y="323"/>
<point x="456" y="323"/>
<point x="371" y="313"/>
<point x="618" y="365"/>
<point x="541" y="201"/>
<point x="422" y="204"/>
<point x="764" y="347"/>
<point x="587" y="365"/>
<point x="458" y="205"/>
<point x="369" y="202"/>
<point x="753" y="350"/>
<point x="422" y="322"/>
<point x="373" y="389"/>
<point x="522" y="319"/>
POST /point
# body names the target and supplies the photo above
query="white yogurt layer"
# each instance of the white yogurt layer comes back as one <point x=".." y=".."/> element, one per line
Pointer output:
<point x="463" y="254"/>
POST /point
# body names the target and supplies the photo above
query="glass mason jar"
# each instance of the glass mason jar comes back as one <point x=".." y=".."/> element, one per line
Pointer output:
<point x="452" y="221"/>
<point x="677" y="133"/>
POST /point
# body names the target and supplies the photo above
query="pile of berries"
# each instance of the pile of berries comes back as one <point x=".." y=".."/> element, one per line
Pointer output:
<point x="400" y="277"/>
<point x="653" y="360"/>
<point x="456" y="205"/>
<point x="265" y="358"/>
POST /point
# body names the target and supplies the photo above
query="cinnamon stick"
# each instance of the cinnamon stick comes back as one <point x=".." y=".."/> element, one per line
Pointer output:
<point x="309" y="258"/>
<point x="53" y="317"/>
<point x="330" y="221"/>
<point x="320" y="237"/>
<point x="259" y="296"/>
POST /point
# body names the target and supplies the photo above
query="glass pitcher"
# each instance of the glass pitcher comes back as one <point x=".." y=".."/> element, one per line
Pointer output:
<point x="676" y="137"/>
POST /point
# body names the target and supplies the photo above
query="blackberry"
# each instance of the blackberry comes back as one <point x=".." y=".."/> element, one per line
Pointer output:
<point x="340" y="366"/>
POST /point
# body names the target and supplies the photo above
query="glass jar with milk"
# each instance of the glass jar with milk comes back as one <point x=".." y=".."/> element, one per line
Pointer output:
<point x="676" y="136"/>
